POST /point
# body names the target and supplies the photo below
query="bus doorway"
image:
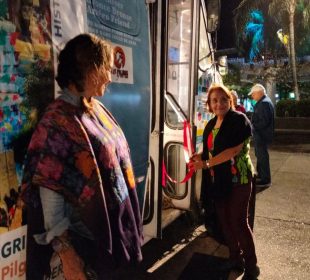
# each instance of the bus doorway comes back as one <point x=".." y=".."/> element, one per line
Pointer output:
<point x="178" y="83"/>
<point x="182" y="47"/>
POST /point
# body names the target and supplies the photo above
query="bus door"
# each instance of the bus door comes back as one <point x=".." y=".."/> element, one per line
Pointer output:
<point x="188" y="56"/>
<point x="178" y="84"/>
<point x="177" y="54"/>
<point x="171" y="25"/>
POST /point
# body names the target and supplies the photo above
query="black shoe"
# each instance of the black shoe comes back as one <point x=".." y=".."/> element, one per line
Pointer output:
<point x="251" y="274"/>
<point x="234" y="265"/>
<point x="239" y="266"/>
<point x="262" y="184"/>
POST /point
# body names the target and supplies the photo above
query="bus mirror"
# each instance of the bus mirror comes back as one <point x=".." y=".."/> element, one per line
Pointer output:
<point x="213" y="15"/>
<point x="222" y="65"/>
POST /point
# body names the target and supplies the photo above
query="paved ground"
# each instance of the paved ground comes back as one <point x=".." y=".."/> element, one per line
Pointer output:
<point x="282" y="228"/>
<point x="282" y="233"/>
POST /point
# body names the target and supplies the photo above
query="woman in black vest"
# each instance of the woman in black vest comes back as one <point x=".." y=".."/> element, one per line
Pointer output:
<point x="227" y="176"/>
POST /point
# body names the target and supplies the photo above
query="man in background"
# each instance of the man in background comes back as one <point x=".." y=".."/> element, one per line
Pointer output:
<point x="263" y="128"/>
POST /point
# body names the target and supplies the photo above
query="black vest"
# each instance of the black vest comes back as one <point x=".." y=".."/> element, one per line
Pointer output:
<point x="235" y="129"/>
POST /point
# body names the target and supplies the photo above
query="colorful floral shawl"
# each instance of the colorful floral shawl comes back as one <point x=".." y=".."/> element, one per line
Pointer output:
<point x="82" y="154"/>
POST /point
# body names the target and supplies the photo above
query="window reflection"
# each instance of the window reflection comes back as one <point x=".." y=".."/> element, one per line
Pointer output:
<point x="178" y="61"/>
<point x="176" y="170"/>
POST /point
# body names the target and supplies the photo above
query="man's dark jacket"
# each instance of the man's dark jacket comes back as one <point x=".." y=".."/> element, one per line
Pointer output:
<point x="263" y="121"/>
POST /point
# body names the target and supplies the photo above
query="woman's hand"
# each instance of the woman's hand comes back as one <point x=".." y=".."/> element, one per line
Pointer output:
<point x="72" y="264"/>
<point x="195" y="157"/>
<point x="196" y="162"/>
<point x="196" y="165"/>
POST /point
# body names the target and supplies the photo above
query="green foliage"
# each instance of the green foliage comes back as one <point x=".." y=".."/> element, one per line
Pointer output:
<point x="286" y="108"/>
<point x="302" y="29"/>
<point x="303" y="46"/>
<point x="3" y="9"/>
<point x="303" y="108"/>
<point x="284" y="88"/>
<point x="232" y="81"/>
<point x="293" y="108"/>
<point x="304" y="88"/>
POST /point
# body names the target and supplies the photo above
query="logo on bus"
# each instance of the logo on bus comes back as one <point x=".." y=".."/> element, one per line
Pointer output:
<point x="119" y="57"/>
<point x="119" y="62"/>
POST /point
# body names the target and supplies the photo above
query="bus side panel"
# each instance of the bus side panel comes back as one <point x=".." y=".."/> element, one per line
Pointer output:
<point x="125" y="24"/>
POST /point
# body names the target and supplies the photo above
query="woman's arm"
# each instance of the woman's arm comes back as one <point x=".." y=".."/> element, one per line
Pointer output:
<point x="56" y="225"/>
<point x="218" y="159"/>
<point x="72" y="264"/>
<point x="225" y="155"/>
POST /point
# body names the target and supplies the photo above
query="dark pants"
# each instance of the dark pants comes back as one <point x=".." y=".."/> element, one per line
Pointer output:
<point x="232" y="214"/>
<point x="263" y="165"/>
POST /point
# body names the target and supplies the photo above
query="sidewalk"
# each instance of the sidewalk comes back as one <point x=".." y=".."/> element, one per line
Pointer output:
<point x="282" y="234"/>
<point x="282" y="227"/>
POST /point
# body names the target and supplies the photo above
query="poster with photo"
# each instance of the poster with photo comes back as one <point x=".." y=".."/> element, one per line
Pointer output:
<point x="31" y="34"/>
<point x="26" y="72"/>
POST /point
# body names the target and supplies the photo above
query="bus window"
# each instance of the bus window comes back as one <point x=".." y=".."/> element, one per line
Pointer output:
<point x="204" y="61"/>
<point x="178" y="60"/>
<point x="205" y="77"/>
<point x="176" y="169"/>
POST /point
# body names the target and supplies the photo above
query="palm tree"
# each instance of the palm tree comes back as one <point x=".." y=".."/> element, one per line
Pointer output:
<point x="268" y="28"/>
<point x="255" y="29"/>
<point x="278" y="9"/>
<point x="302" y="30"/>
<point x="287" y="8"/>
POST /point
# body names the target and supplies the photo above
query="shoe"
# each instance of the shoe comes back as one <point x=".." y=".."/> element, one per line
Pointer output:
<point x="234" y="265"/>
<point x="251" y="274"/>
<point x="239" y="266"/>
<point x="262" y="184"/>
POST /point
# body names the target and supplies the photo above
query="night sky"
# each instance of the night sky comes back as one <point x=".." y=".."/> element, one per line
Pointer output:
<point x="226" y="32"/>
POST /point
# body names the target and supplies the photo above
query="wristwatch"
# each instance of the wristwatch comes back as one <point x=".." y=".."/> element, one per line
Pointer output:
<point x="206" y="164"/>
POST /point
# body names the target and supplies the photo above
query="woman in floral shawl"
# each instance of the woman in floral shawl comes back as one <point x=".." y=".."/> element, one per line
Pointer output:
<point x="78" y="184"/>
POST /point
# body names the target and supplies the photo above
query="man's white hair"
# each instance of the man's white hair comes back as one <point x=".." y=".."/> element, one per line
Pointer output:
<point x="258" y="87"/>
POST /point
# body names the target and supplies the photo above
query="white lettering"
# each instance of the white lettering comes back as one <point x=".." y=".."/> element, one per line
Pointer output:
<point x="57" y="19"/>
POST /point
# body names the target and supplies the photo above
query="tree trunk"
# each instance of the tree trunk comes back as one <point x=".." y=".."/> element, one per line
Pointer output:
<point x="292" y="47"/>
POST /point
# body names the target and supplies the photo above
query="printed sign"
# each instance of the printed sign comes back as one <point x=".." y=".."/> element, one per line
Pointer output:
<point x="13" y="254"/>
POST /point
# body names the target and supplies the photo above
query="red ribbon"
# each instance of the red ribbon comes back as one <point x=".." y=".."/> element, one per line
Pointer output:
<point x="188" y="148"/>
